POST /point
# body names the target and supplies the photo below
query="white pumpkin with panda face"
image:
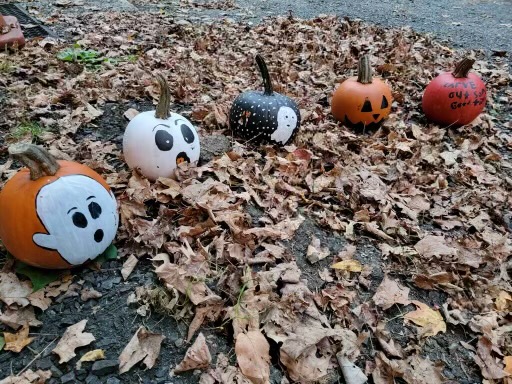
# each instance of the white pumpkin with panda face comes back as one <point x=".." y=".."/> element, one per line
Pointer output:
<point x="155" y="142"/>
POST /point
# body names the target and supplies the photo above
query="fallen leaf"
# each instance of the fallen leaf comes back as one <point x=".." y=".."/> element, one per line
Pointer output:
<point x="128" y="266"/>
<point x="434" y="246"/>
<point x="14" y="291"/>
<point x="131" y="113"/>
<point x="197" y="356"/>
<point x="89" y="293"/>
<point x="252" y="355"/>
<point x="348" y="265"/>
<point x="351" y="372"/>
<point x="17" y="341"/>
<point x="16" y="318"/>
<point x="491" y="370"/>
<point x="28" y="377"/>
<point x="431" y="321"/>
<point x="315" y="252"/>
<point x="508" y="364"/>
<point x="144" y="346"/>
<point x="73" y="338"/>
<point x="96" y="354"/>
<point x="389" y="292"/>
<point x="504" y="301"/>
<point x="38" y="299"/>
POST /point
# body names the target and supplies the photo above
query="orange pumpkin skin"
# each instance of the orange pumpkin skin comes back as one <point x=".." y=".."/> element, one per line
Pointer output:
<point x="361" y="105"/>
<point x="19" y="220"/>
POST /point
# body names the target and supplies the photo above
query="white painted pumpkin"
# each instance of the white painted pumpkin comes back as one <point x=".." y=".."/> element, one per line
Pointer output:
<point x="155" y="142"/>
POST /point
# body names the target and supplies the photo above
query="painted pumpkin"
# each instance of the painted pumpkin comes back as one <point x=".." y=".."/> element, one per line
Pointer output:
<point x="364" y="101"/>
<point x="455" y="98"/>
<point x="155" y="142"/>
<point x="264" y="117"/>
<point x="55" y="214"/>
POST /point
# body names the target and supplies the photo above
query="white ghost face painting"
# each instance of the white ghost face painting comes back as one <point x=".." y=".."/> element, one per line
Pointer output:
<point x="286" y="123"/>
<point x="157" y="146"/>
<point x="80" y="217"/>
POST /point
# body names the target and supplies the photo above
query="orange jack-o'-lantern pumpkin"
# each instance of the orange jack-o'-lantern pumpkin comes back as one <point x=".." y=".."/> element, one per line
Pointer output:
<point x="55" y="214"/>
<point x="362" y="101"/>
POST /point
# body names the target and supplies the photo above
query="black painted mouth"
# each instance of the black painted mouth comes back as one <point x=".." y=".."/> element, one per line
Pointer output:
<point x="98" y="235"/>
<point x="182" y="157"/>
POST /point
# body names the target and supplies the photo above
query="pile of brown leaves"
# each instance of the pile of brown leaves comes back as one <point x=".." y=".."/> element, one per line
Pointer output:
<point x="434" y="200"/>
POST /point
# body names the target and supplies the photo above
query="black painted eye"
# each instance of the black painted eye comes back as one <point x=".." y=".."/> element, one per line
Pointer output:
<point x="187" y="133"/>
<point x="163" y="140"/>
<point x="384" y="102"/>
<point x="79" y="220"/>
<point x="367" y="106"/>
<point x="95" y="210"/>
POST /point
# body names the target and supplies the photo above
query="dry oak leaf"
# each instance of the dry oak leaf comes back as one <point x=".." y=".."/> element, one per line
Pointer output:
<point x="252" y="355"/>
<point x="16" y="318"/>
<point x="72" y="338"/>
<point x="504" y="301"/>
<point x="38" y="299"/>
<point x="490" y="368"/>
<point x="197" y="356"/>
<point x="28" y="377"/>
<point x="348" y="265"/>
<point x="17" y="341"/>
<point x="14" y="291"/>
<point x="128" y="266"/>
<point x="390" y="292"/>
<point x="315" y="252"/>
<point x="176" y="277"/>
<point x="89" y="293"/>
<point x="144" y="346"/>
<point x="434" y="246"/>
<point x="96" y="354"/>
<point x="431" y="321"/>
<point x="508" y="364"/>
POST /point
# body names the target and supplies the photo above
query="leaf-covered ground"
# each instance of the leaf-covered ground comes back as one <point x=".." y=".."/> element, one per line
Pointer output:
<point x="346" y="254"/>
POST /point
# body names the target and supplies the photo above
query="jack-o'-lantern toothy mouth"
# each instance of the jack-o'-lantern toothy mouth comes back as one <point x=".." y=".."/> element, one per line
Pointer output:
<point x="182" y="157"/>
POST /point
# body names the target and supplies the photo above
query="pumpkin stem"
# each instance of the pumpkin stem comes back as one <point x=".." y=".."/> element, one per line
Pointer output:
<point x="364" y="70"/>
<point x="164" y="103"/>
<point x="37" y="159"/>
<point x="462" y="69"/>
<point x="264" y="73"/>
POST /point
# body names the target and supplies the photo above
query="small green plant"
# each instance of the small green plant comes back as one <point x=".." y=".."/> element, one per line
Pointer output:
<point x="90" y="57"/>
<point x="5" y="67"/>
<point x="27" y="128"/>
<point x="76" y="54"/>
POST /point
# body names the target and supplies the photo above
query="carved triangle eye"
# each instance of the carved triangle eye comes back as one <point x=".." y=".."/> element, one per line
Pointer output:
<point x="367" y="106"/>
<point x="384" y="102"/>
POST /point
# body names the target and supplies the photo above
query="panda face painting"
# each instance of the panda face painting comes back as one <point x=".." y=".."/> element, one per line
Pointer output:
<point x="80" y="216"/>
<point x="156" y="146"/>
<point x="264" y="117"/>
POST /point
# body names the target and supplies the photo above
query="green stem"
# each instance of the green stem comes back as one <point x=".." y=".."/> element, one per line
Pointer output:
<point x="264" y="73"/>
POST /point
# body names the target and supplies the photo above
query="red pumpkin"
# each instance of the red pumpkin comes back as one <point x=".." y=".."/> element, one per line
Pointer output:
<point x="455" y="98"/>
<point x="55" y="214"/>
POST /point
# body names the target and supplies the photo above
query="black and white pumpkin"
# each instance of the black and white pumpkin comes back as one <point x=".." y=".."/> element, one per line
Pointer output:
<point x="264" y="117"/>
<point x="155" y="142"/>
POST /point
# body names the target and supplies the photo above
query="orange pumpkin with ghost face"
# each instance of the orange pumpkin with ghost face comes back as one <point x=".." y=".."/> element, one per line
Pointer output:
<point x="362" y="101"/>
<point x="55" y="214"/>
